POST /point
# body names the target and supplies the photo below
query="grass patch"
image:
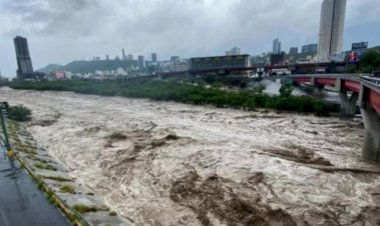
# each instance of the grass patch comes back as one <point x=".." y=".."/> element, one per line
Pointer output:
<point x="67" y="189"/>
<point x="57" y="178"/>
<point x="45" y="167"/>
<point x="85" y="209"/>
<point x="35" y="158"/>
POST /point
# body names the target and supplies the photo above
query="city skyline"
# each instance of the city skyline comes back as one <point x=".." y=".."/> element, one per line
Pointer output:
<point x="56" y="37"/>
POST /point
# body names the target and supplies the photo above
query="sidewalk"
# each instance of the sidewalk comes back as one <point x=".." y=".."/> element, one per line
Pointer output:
<point x="21" y="203"/>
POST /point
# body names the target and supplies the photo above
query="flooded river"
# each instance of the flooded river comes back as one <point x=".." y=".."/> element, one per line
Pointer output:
<point x="163" y="163"/>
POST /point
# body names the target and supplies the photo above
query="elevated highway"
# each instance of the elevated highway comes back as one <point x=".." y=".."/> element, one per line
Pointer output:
<point x="354" y="90"/>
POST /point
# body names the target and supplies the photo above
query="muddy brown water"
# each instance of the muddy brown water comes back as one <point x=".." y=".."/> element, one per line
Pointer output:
<point x="163" y="163"/>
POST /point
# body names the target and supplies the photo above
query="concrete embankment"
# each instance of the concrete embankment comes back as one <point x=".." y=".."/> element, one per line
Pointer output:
<point x="74" y="199"/>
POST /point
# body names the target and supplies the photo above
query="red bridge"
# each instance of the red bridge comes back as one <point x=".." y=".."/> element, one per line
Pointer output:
<point x="354" y="90"/>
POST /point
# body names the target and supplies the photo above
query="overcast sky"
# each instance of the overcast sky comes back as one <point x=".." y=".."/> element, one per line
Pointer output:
<point x="60" y="31"/>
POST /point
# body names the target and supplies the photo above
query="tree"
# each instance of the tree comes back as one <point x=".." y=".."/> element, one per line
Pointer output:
<point x="370" y="61"/>
<point x="286" y="90"/>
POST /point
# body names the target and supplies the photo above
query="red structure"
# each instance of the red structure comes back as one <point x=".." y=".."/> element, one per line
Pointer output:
<point x="365" y="91"/>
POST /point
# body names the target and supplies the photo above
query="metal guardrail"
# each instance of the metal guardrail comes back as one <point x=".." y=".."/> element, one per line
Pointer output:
<point x="372" y="80"/>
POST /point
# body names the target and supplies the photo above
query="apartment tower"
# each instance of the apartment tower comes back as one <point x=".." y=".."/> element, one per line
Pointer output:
<point x="331" y="28"/>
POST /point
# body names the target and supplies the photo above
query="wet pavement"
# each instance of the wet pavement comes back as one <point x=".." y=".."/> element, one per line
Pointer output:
<point x="21" y="203"/>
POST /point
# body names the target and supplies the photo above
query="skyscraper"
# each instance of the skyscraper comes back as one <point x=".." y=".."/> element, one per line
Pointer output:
<point x="276" y="46"/>
<point x="293" y="51"/>
<point x="154" y="57"/>
<point x="141" y="62"/>
<point x="331" y="28"/>
<point x="123" y="56"/>
<point x="24" y="62"/>
<point x="130" y="57"/>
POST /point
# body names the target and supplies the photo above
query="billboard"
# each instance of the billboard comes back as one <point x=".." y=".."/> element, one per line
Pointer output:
<point x="59" y="74"/>
<point x="359" y="46"/>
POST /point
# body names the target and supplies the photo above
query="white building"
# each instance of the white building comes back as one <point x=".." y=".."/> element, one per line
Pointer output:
<point x="331" y="28"/>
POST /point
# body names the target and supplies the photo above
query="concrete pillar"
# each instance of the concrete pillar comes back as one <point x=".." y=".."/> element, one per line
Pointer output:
<point x="371" y="147"/>
<point x="348" y="104"/>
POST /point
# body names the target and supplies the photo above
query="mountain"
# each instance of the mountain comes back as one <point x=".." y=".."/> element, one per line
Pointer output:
<point x="83" y="66"/>
<point x="50" y="67"/>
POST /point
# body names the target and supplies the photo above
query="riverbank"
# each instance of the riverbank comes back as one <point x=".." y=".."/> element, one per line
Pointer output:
<point x="164" y="163"/>
<point x="75" y="200"/>
<point x="183" y="92"/>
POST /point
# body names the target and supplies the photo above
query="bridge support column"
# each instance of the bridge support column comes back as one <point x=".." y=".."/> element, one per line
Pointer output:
<point x="348" y="104"/>
<point x="371" y="148"/>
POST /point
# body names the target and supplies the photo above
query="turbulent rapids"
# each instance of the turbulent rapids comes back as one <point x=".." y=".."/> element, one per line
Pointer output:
<point x="163" y="163"/>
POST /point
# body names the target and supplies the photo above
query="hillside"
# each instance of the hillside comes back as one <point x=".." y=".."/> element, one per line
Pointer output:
<point x="50" y="67"/>
<point x="90" y="66"/>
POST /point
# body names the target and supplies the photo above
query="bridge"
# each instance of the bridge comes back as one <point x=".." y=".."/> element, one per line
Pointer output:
<point x="354" y="90"/>
<point x="294" y="68"/>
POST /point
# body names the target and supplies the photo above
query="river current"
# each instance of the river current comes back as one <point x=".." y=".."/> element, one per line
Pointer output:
<point x="164" y="163"/>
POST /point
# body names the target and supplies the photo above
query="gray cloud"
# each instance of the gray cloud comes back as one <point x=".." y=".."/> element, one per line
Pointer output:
<point x="61" y="31"/>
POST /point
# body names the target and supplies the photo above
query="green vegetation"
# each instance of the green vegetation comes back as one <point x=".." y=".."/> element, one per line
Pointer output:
<point x="370" y="61"/>
<point x="19" y="113"/>
<point x="34" y="158"/>
<point x="57" y="178"/>
<point x="172" y="90"/>
<point x="286" y="91"/>
<point x="85" y="209"/>
<point x="45" y="167"/>
<point x="67" y="189"/>
<point x="112" y="213"/>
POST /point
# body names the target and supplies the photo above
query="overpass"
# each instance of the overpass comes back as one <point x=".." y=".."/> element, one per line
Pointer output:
<point x="294" y="68"/>
<point x="354" y="90"/>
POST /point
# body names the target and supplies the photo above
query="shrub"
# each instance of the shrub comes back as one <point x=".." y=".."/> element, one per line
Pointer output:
<point x="286" y="90"/>
<point x="67" y="189"/>
<point x="321" y="109"/>
<point x="174" y="90"/>
<point x="19" y="113"/>
<point x="85" y="209"/>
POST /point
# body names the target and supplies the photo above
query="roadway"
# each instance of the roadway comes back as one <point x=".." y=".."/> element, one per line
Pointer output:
<point x="21" y="203"/>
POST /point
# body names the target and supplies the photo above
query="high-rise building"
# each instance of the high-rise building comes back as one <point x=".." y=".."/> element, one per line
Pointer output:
<point x="130" y="57"/>
<point x="141" y="62"/>
<point x="276" y="46"/>
<point x="24" y="62"/>
<point x="310" y="48"/>
<point x="154" y="57"/>
<point x="107" y="57"/>
<point x="333" y="14"/>
<point x="293" y="51"/>
<point x="124" y="57"/>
